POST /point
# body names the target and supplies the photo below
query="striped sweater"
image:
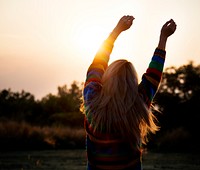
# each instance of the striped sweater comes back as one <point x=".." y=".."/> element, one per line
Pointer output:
<point x="108" y="151"/>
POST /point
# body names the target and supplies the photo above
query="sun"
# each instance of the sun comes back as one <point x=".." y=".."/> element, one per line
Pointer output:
<point x="88" y="38"/>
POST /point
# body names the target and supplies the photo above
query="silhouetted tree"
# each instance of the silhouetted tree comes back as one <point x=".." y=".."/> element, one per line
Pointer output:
<point x="15" y="105"/>
<point x="63" y="108"/>
<point x="178" y="99"/>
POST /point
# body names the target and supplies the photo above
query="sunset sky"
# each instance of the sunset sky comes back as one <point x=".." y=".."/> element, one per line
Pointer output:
<point x="48" y="43"/>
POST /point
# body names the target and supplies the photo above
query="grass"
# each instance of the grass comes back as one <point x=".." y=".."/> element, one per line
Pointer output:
<point x="23" y="136"/>
<point x="17" y="136"/>
<point x="26" y="147"/>
<point x="76" y="160"/>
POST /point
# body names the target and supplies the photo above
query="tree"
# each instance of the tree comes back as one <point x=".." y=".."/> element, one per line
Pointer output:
<point x="182" y="82"/>
<point x="178" y="99"/>
<point x="63" y="108"/>
<point x="17" y="105"/>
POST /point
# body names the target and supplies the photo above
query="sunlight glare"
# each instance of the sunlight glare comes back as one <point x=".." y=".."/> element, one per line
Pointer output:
<point x="88" y="38"/>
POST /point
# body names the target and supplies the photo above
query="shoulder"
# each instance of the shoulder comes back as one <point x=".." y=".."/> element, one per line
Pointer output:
<point x="91" y="89"/>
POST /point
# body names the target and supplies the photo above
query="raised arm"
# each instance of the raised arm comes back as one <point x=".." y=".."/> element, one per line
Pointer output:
<point x="151" y="79"/>
<point x="124" y="23"/>
<point x="167" y="29"/>
<point x="102" y="56"/>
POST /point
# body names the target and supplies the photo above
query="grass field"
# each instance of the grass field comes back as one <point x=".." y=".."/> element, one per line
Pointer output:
<point x="76" y="160"/>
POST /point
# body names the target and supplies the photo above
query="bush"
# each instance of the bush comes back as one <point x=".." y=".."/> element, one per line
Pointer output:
<point x="23" y="136"/>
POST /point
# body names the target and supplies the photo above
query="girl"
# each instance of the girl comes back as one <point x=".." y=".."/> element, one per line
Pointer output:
<point x="117" y="107"/>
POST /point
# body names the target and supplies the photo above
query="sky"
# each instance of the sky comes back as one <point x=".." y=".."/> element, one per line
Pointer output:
<point x="49" y="43"/>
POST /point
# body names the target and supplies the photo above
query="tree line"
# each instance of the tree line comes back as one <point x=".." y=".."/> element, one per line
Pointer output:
<point x="177" y="107"/>
<point x="60" y="109"/>
<point x="178" y="101"/>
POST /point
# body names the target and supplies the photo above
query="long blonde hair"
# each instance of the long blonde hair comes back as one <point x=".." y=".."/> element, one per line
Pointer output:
<point x="119" y="108"/>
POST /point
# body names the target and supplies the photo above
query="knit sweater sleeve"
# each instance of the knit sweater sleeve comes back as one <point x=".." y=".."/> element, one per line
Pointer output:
<point x="151" y="79"/>
<point x="100" y="63"/>
<point x="95" y="71"/>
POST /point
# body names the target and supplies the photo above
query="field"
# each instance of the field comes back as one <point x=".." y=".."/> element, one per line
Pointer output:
<point x="76" y="160"/>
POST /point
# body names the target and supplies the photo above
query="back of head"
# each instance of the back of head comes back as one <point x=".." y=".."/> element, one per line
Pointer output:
<point x="119" y="107"/>
<point x="118" y="79"/>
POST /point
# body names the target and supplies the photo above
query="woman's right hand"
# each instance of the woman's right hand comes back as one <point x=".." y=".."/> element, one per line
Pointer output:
<point x="168" y="28"/>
